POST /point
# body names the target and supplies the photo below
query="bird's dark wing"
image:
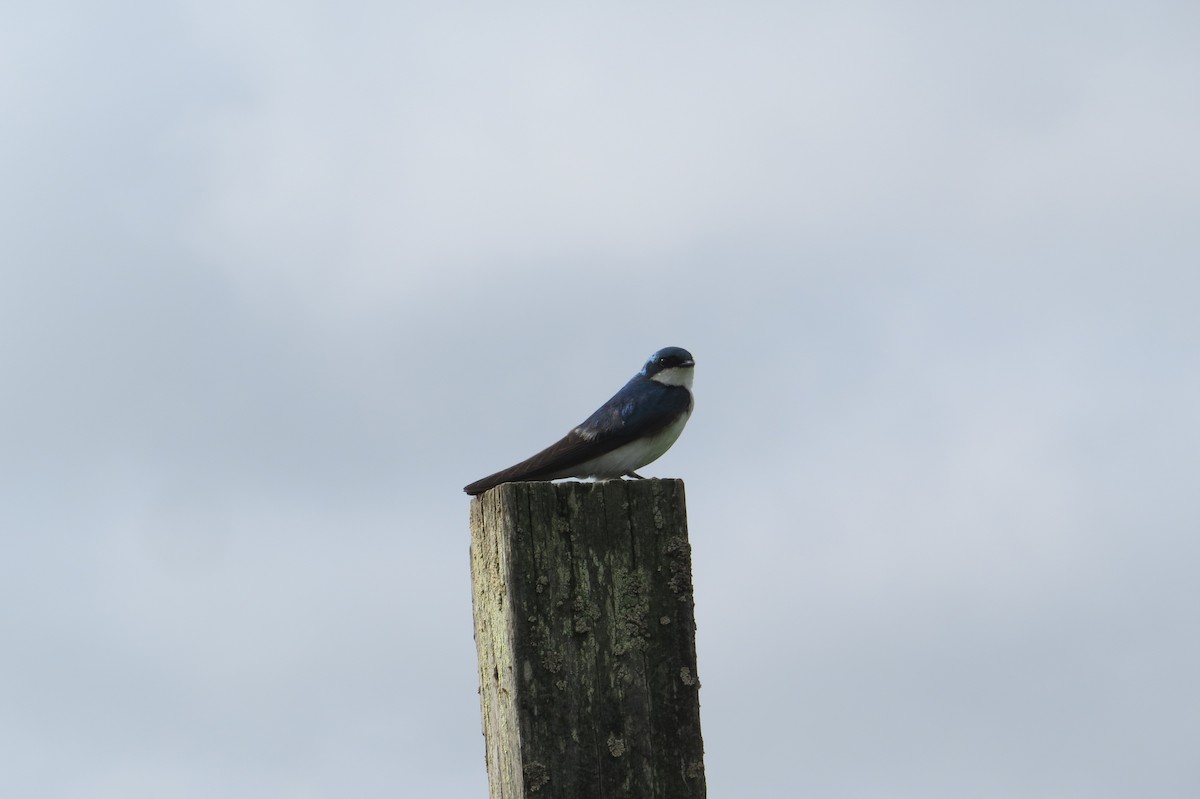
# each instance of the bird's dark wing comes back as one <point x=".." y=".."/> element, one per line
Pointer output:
<point x="548" y="464"/>
<point x="641" y="408"/>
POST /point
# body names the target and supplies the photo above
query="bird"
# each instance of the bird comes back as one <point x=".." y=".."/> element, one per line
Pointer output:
<point x="635" y="427"/>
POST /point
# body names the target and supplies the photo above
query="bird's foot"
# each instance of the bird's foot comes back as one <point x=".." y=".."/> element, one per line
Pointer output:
<point x="634" y="475"/>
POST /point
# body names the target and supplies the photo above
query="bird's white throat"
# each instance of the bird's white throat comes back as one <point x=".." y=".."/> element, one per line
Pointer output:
<point x="675" y="376"/>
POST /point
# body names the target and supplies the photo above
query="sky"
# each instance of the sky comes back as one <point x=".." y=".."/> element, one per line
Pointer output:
<point x="278" y="279"/>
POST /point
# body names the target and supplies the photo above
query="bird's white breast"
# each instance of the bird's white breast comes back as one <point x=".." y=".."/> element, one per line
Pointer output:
<point x="635" y="454"/>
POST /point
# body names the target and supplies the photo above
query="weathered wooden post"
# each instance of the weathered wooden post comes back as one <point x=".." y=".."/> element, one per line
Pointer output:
<point x="586" y="635"/>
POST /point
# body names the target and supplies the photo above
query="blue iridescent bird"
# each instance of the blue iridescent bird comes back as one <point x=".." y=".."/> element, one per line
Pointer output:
<point x="632" y="429"/>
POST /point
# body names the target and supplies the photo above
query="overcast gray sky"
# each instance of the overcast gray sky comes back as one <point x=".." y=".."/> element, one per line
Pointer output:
<point x="278" y="279"/>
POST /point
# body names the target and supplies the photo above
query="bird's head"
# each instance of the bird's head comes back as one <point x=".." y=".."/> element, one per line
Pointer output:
<point x="671" y="366"/>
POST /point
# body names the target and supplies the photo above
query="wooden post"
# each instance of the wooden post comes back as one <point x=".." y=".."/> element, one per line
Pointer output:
<point x="586" y="636"/>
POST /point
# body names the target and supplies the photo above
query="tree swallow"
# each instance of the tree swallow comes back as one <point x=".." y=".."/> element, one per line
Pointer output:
<point x="632" y="429"/>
